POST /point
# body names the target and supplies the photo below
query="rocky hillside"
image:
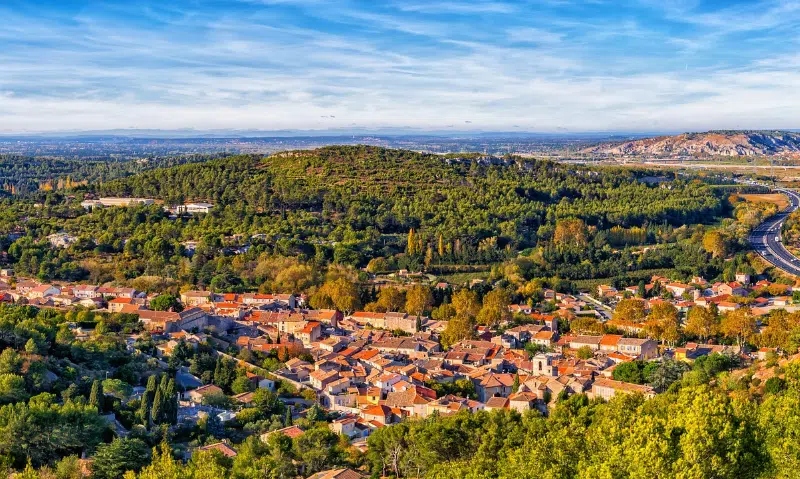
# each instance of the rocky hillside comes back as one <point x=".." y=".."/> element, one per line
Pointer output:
<point x="712" y="143"/>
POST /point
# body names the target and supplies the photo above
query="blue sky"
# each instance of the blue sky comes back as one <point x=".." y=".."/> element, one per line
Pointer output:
<point x="493" y="65"/>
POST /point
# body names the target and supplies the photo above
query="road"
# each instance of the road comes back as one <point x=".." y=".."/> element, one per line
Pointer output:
<point x="766" y="237"/>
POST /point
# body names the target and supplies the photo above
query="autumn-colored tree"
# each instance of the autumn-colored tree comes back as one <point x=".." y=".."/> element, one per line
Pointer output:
<point x="390" y="299"/>
<point x="495" y="308"/>
<point x="586" y="325"/>
<point x="459" y="328"/>
<point x="411" y="246"/>
<point x="418" y="299"/>
<point x="570" y="232"/>
<point x="739" y="324"/>
<point x="702" y="322"/>
<point x="440" y="247"/>
<point x="339" y="294"/>
<point x="466" y="302"/>
<point x="714" y="243"/>
<point x="630" y="311"/>
<point x="663" y="323"/>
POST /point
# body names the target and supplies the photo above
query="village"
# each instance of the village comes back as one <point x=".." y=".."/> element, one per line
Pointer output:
<point x="372" y="369"/>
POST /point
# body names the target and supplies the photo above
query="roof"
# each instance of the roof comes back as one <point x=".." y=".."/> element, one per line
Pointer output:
<point x="291" y="431"/>
<point x="225" y="449"/>
<point x="337" y="474"/>
<point x="610" y="339"/>
<point x="378" y="410"/>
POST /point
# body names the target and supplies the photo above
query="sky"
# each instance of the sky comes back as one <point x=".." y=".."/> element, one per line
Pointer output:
<point x="423" y="65"/>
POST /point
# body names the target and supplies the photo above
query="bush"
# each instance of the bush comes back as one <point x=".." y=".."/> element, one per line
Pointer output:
<point x="774" y="385"/>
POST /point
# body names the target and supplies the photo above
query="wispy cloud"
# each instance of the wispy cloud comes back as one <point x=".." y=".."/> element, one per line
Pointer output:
<point x="276" y="64"/>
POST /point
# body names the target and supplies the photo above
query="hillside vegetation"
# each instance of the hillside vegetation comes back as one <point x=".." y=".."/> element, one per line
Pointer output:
<point x="395" y="190"/>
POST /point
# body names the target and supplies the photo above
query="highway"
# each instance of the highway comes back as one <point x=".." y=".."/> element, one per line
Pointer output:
<point x="766" y="237"/>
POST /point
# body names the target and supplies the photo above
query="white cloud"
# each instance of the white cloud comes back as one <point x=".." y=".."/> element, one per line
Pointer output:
<point x="255" y="72"/>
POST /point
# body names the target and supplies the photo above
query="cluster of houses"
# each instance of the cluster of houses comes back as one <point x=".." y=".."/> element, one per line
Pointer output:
<point x="762" y="297"/>
<point x="378" y="368"/>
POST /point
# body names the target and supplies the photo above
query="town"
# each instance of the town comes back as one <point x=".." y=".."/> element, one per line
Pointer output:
<point x="369" y="369"/>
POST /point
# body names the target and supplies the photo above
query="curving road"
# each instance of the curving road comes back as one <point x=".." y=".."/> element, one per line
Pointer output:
<point x="766" y="237"/>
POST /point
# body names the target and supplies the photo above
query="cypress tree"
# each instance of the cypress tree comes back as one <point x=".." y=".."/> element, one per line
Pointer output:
<point x="287" y="421"/>
<point x="157" y="413"/>
<point x="171" y="400"/>
<point x="96" y="397"/>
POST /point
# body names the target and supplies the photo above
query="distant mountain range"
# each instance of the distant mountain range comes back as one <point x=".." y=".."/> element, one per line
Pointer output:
<point x="712" y="143"/>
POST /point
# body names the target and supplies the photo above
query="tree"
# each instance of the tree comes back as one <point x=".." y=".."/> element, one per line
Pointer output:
<point x="166" y="302"/>
<point x="586" y="325"/>
<point x="242" y="384"/>
<point x="31" y="347"/>
<point x="714" y="243"/>
<point x="630" y="311"/>
<point x="96" y="397"/>
<point x="163" y="466"/>
<point x="390" y="299"/>
<point x="465" y="302"/>
<point x="112" y="460"/>
<point x="702" y="322"/>
<point x="570" y="232"/>
<point x="418" y="299"/>
<point x="663" y="323"/>
<point x="630" y="372"/>
<point x="739" y="324"/>
<point x="666" y="373"/>
<point x="460" y="327"/>
<point x="340" y="294"/>
<point x="10" y="362"/>
<point x="585" y="352"/>
<point x="12" y="388"/>
<point x="411" y="243"/>
<point x="495" y="308"/>
<point x="157" y="411"/>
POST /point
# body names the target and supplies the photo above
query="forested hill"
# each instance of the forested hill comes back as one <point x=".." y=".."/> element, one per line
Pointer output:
<point x="395" y="190"/>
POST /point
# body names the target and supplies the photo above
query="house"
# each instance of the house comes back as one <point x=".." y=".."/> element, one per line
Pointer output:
<point x="608" y="388"/>
<point x="292" y="432"/>
<point x="379" y="413"/>
<point x="678" y="289"/>
<point x="195" y="298"/>
<point x="522" y="401"/>
<point x="220" y="447"/>
<point x="43" y="291"/>
<point x="593" y="342"/>
<point x="116" y="305"/>
<point x="727" y="306"/>
<point x="604" y="290"/>
<point x="496" y="402"/>
<point x="641" y="348"/>
<point x="743" y="278"/>
<point x="320" y="378"/>
<point x="194" y="208"/>
<point x="337" y="474"/>
<point x="198" y="395"/>
<point x="608" y="342"/>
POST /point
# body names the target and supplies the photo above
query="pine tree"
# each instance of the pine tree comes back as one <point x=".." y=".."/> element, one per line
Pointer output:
<point x="287" y="421"/>
<point x="96" y="397"/>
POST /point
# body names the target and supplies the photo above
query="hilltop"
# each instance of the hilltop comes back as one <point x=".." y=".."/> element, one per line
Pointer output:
<point x="712" y="143"/>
